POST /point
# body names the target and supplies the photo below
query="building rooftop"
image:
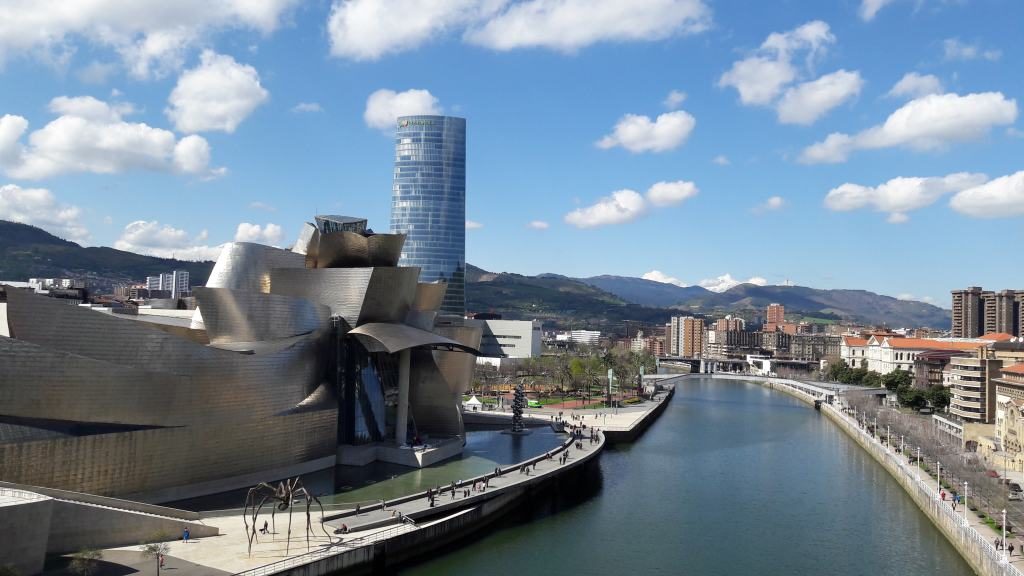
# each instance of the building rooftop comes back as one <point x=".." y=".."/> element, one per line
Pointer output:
<point x="1015" y="369"/>
<point x="929" y="344"/>
<point x="854" y="341"/>
<point x="997" y="336"/>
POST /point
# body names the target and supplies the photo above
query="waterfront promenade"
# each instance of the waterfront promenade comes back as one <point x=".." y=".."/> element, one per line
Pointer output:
<point x="399" y="528"/>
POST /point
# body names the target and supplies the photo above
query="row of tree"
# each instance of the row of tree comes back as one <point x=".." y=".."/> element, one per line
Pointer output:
<point x="899" y="381"/>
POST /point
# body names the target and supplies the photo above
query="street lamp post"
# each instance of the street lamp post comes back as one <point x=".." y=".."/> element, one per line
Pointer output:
<point x="938" y="477"/>
<point x="1004" y="536"/>
<point x="919" y="457"/>
<point x="888" y="444"/>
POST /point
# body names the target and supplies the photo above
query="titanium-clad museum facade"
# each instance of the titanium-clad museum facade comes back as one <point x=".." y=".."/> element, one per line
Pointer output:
<point x="292" y="355"/>
<point x="428" y="202"/>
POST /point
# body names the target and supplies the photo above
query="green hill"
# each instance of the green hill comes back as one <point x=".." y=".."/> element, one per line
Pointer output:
<point x="29" y="252"/>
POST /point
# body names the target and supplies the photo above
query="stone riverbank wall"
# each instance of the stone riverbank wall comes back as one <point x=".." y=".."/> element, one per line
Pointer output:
<point x="973" y="546"/>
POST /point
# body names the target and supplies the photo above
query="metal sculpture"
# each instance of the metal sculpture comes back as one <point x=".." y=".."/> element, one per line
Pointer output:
<point x="518" y="403"/>
<point x="284" y="495"/>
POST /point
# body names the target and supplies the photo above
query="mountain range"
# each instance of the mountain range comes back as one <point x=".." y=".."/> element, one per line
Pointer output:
<point x="606" y="303"/>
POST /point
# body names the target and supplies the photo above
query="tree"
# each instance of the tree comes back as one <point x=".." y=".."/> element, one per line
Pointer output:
<point x="911" y="397"/>
<point x="86" y="562"/>
<point x="897" y="379"/>
<point x="156" y="550"/>
<point x="938" y="397"/>
<point x="872" y="379"/>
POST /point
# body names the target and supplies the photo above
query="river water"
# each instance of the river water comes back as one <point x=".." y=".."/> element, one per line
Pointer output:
<point x="732" y="479"/>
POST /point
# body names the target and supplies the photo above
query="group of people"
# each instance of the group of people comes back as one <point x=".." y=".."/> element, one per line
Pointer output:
<point x="999" y="546"/>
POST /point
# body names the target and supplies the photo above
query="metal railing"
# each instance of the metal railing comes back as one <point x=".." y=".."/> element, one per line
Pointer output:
<point x="931" y="493"/>
<point x="21" y="494"/>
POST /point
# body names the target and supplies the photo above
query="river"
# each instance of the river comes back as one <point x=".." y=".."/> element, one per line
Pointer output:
<point x="732" y="479"/>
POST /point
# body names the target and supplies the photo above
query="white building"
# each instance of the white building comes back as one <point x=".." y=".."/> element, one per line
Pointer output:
<point x="177" y="283"/>
<point x="588" y="337"/>
<point x="884" y="354"/>
<point x="511" y="338"/>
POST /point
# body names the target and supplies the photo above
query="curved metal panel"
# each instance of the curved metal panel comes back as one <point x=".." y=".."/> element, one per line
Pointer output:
<point x="429" y="296"/>
<point x="246" y="266"/>
<point x="359" y="295"/>
<point x="301" y="245"/>
<point x="352" y="250"/>
<point x="393" y="338"/>
<point x="236" y="316"/>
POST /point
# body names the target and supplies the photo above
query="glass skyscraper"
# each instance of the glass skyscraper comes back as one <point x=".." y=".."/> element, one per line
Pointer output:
<point x="428" y="201"/>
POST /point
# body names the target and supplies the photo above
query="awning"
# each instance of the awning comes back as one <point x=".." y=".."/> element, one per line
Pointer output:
<point x="392" y="338"/>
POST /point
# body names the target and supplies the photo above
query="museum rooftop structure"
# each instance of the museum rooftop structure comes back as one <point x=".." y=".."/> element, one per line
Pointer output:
<point x="295" y="361"/>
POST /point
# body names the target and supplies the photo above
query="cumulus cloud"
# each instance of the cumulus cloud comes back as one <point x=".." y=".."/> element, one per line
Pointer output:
<point x="620" y="207"/>
<point x="954" y="49"/>
<point x="911" y="297"/>
<point x="999" y="198"/>
<point x="659" y="276"/>
<point x="384" y="106"/>
<point x="926" y="123"/>
<point x="674" y="100"/>
<point x="807" y="102"/>
<point x="772" y="203"/>
<point x="218" y="94"/>
<point x="726" y="281"/>
<point x="371" y="29"/>
<point x="152" y="37"/>
<point x="568" y="25"/>
<point x="165" y="241"/>
<point x="869" y="8"/>
<point x="307" y="108"/>
<point x="473" y="225"/>
<point x="538" y="225"/>
<point x="669" y="193"/>
<point x="721" y="160"/>
<point x="627" y="205"/>
<point x="267" y="234"/>
<point x="901" y="195"/>
<point x="91" y="136"/>
<point x="761" y="77"/>
<point x="639" y="134"/>
<point x="914" y="85"/>
<point x="39" y="207"/>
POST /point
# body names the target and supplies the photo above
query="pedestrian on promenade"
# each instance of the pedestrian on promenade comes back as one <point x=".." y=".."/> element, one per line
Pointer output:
<point x="942" y="495"/>
<point x="357" y="509"/>
<point x="996" y="541"/>
<point x="953" y="503"/>
<point x="1009" y="548"/>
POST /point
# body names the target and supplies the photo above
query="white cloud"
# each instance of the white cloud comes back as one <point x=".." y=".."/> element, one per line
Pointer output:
<point x="761" y="77"/>
<point x="307" y="107"/>
<point x="926" y="123"/>
<point x="807" y="102"/>
<point x="916" y="85"/>
<point x="674" y="100"/>
<point x="954" y="49"/>
<point x="772" y="203"/>
<point x="869" y="8"/>
<point x="473" y="225"/>
<point x="370" y="29"/>
<point x="538" y="225"/>
<point x="384" y="106"/>
<point x="97" y="72"/>
<point x="257" y="205"/>
<point x="659" y="276"/>
<point x="568" y="25"/>
<point x="639" y="134"/>
<point x="153" y="239"/>
<point x="152" y="37"/>
<point x="911" y="297"/>
<point x="999" y="198"/>
<point x="721" y="160"/>
<point x="91" y="136"/>
<point x="726" y="281"/>
<point x="669" y="193"/>
<point x="39" y="207"/>
<point x="901" y="195"/>
<point x="628" y="205"/>
<point x="218" y="94"/>
<point x="622" y="206"/>
<point x="268" y="234"/>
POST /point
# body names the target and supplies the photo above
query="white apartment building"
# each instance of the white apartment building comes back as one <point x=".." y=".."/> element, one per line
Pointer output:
<point x="511" y="338"/>
<point x="884" y="354"/>
<point x="177" y="283"/>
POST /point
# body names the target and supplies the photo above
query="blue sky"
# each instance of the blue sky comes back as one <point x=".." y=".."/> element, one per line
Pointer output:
<point x="688" y="140"/>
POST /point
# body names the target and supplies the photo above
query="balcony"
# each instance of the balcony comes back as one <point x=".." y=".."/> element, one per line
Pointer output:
<point x="969" y="392"/>
<point x="964" y="414"/>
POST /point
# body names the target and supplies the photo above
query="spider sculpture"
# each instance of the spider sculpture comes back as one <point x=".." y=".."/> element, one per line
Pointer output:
<point x="281" y="497"/>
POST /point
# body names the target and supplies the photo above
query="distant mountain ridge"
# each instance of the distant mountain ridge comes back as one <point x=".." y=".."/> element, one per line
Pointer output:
<point x="30" y="252"/>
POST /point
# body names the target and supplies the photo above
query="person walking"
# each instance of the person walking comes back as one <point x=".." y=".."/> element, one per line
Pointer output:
<point x="184" y="536"/>
<point x="1009" y="548"/>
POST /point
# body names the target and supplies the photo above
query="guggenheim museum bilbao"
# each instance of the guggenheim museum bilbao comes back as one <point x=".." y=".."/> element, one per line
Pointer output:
<point x="295" y="361"/>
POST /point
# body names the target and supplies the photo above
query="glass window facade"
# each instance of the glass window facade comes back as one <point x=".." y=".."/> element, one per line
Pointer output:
<point x="428" y="201"/>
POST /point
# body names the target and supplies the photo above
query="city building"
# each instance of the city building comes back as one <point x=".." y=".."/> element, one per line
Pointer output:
<point x="585" y="337"/>
<point x="175" y="283"/>
<point x="853" y="350"/>
<point x="1010" y="410"/>
<point x="977" y="311"/>
<point x="295" y="361"/>
<point x="687" y="336"/>
<point x="731" y="343"/>
<point x="930" y="367"/>
<point x="730" y="323"/>
<point x="974" y="379"/>
<point x="647" y="344"/>
<point x="775" y="314"/>
<point x="670" y="345"/>
<point x="967" y="316"/>
<point x="428" y="202"/>
<point x="509" y="338"/>
<point x="884" y="353"/>
<point x="814" y="347"/>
